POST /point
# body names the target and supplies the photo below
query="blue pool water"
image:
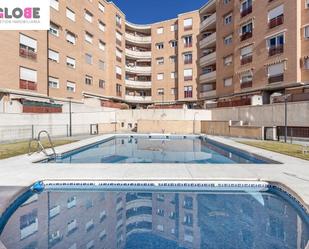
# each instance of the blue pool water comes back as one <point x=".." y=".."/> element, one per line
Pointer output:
<point x="193" y="150"/>
<point x="156" y="220"/>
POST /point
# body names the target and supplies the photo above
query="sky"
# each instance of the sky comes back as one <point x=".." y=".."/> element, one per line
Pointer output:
<point x="151" y="11"/>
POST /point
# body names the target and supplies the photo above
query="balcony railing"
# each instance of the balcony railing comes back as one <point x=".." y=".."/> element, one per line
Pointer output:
<point x="138" y="39"/>
<point x="119" y="94"/>
<point x="138" y="98"/>
<point x="28" y="85"/>
<point x="245" y="36"/>
<point x="138" y="54"/>
<point x="118" y="76"/>
<point x="276" y="21"/>
<point x="246" y="59"/>
<point x="187" y="28"/>
<point x="188" y="78"/>
<point x="210" y="93"/>
<point x="26" y="53"/>
<point x="188" y="61"/>
<point x="118" y="42"/>
<point x="276" y="78"/>
<point x="209" y="40"/>
<point x="208" y="59"/>
<point x="208" y="21"/>
<point x="246" y="11"/>
<point x="246" y="84"/>
<point x="188" y="94"/>
<point x="207" y="77"/>
<point x="139" y="70"/>
<point x="273" y="50"/>
<point x="138" y="84"/>
<point x="188" y="45"/>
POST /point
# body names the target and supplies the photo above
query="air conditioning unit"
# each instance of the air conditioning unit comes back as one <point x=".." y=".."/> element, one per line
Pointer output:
<point x="257" y="100"/>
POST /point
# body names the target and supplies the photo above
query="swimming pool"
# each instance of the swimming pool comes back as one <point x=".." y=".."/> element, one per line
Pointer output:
<point x="159" y="149"/>
<point x="131" y="219"/>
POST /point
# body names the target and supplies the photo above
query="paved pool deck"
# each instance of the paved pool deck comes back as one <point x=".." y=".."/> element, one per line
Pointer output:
<point x="20" y="172"/>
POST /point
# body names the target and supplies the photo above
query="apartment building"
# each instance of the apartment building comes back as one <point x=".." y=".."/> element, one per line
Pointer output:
<point x="228" y="53"/>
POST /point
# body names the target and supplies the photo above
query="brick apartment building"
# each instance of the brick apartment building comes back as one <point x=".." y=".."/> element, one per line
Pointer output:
<point x="228" y="53"/>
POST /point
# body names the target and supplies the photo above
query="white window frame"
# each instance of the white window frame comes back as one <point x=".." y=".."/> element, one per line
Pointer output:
<point x="101" y="7"/>
<point x="54" y="29"/>
<point x="72" y="85"/>
<point x="71" y="62"/>
<point x="53" y="82"/>
<point x="54" y="4"/>
<point x="160" y="30"/>
<point x="28" y="42"/>
<point x="70" y="37"/>
<point x="160" y="76"/>
<point x="28" y="74"/>
<point x="306" y="31"/>
<point x="102" y="45"/>
<point x="88" y="16"/>
<point x="228" y="19"/>
<point x="70" y="14"/>
<point x="53" y="55"/>
<point x="88" y="37"/>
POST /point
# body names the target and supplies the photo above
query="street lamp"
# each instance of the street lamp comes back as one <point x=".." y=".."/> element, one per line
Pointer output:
<point x="70" y="116"/>
<point x="286" y="97"/>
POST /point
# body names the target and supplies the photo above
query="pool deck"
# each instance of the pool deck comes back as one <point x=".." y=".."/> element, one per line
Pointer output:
<point x="21" y="172"/>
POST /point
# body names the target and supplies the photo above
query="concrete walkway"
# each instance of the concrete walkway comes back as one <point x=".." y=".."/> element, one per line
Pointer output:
<point x="293" y="173"/>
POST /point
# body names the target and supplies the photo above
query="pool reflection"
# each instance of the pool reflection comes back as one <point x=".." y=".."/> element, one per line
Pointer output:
<point x="129" y="220"/>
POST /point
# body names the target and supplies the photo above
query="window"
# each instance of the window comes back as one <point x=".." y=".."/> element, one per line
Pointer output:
<point x="187" y="41"/>
<point x="88" y="37"/>
<point x="160" y="30"/>
<point x="188" y="74"/>
<point x="228" y="19"/>
<point x="187" y="58"/>
<point x="188" y="219"/>
<point x="174" y="44"/>
<point x="118" y="90"/>
<point x="101" y="7"/>
<point x="118" y="38"/>
<point x="54" y="4"/>
<point x="173" y="75"/>
<point x="228" y="82"/>
<point x="71" y="62"/>
<point x="101" y="65"/>
<point x="53" y="55"/>
<point x="246" y="80"/>
<point x="71" y="38"/>
<point x="72" y="225"/>
<point x="306" y="31"/>
<point x="88" y="16"/>
<point x="101" y="26"/>
<point x="53" y="82"/>
<point x="118" y="55"/>
<point x="187" y="23"/>
<point x="173" y="59"/>
<point x="102" y="84"/>
<point x="28" y="224"/>
<point x="174" y="27"/>
<point x="70" y="14"/>
<point x="160" y="91"/>
<point x="88" y="80"/>
<point x="246" y="31"/>
<point x="228" y="40"/>
<point x="188" y="91"/>
<point x="173" y="91"/>
<point x="246" y="8"/>
<point x="275" y="44"/>
<point x="307" y="4"/>
<point x="160" y="45"/>
<point x="226" y="1"/>
<point x="306" y="62"/>
<point x="28" y="78"/>
<point x="54" y="29"/>
<point x="118" y="73"/>
<point x="118" y="21"/>
<point x="228" y="60"/>
<point x="160" y="61"/>
<point x="101" y="45"/>
<point x="88" y="58"/>
<point x="275" y="16"/>
<point x="246" y="54"/>
<point x="27" y="47"/>
<point x="160" y="76"/>
<point x="276" y="73"/>
<point x="71" y="87"/>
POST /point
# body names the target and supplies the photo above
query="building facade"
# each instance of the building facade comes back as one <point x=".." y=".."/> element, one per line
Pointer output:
<point x="228" y="53"/>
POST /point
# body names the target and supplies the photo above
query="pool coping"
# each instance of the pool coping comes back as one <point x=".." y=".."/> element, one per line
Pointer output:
<point x="292" y="174"/>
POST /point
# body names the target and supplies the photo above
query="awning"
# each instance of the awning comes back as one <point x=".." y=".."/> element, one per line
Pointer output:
<point x="276" y="61"/>
<point x="245" y="45"/>
<point x="245" y="70"/>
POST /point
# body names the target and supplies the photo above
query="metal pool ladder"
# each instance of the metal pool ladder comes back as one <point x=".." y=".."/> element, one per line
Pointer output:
<point x="40" y="147"/>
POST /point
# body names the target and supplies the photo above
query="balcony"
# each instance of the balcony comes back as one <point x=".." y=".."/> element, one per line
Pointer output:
<point x="208" y="21"/>
<point x="208" y="59"/>
<point x="207" y="94"/>
<point x="138" y="84"/>
<point x="138" y="39"/>
<point x="209" y="40"/>
<point x="26" y="53"/>
<point x="207" y="77"/>
<point x="246" y="36"/>
<point x="246" y="59"/>
<point x="273" y="50"/>
<point x="276" y="78"/>
<point x="246" y="84"/>
<point x="138" y="98"/>
<point x="246" y="11"/>
<point x="138" y="54"/>
<point x="28" y="85"/>
<point x="276" y="21"/>
<point x="138" y="70"/>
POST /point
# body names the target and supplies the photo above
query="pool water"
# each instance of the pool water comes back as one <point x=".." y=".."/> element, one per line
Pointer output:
<point x="156" y="220"/>
<point x="193" y="150"/>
